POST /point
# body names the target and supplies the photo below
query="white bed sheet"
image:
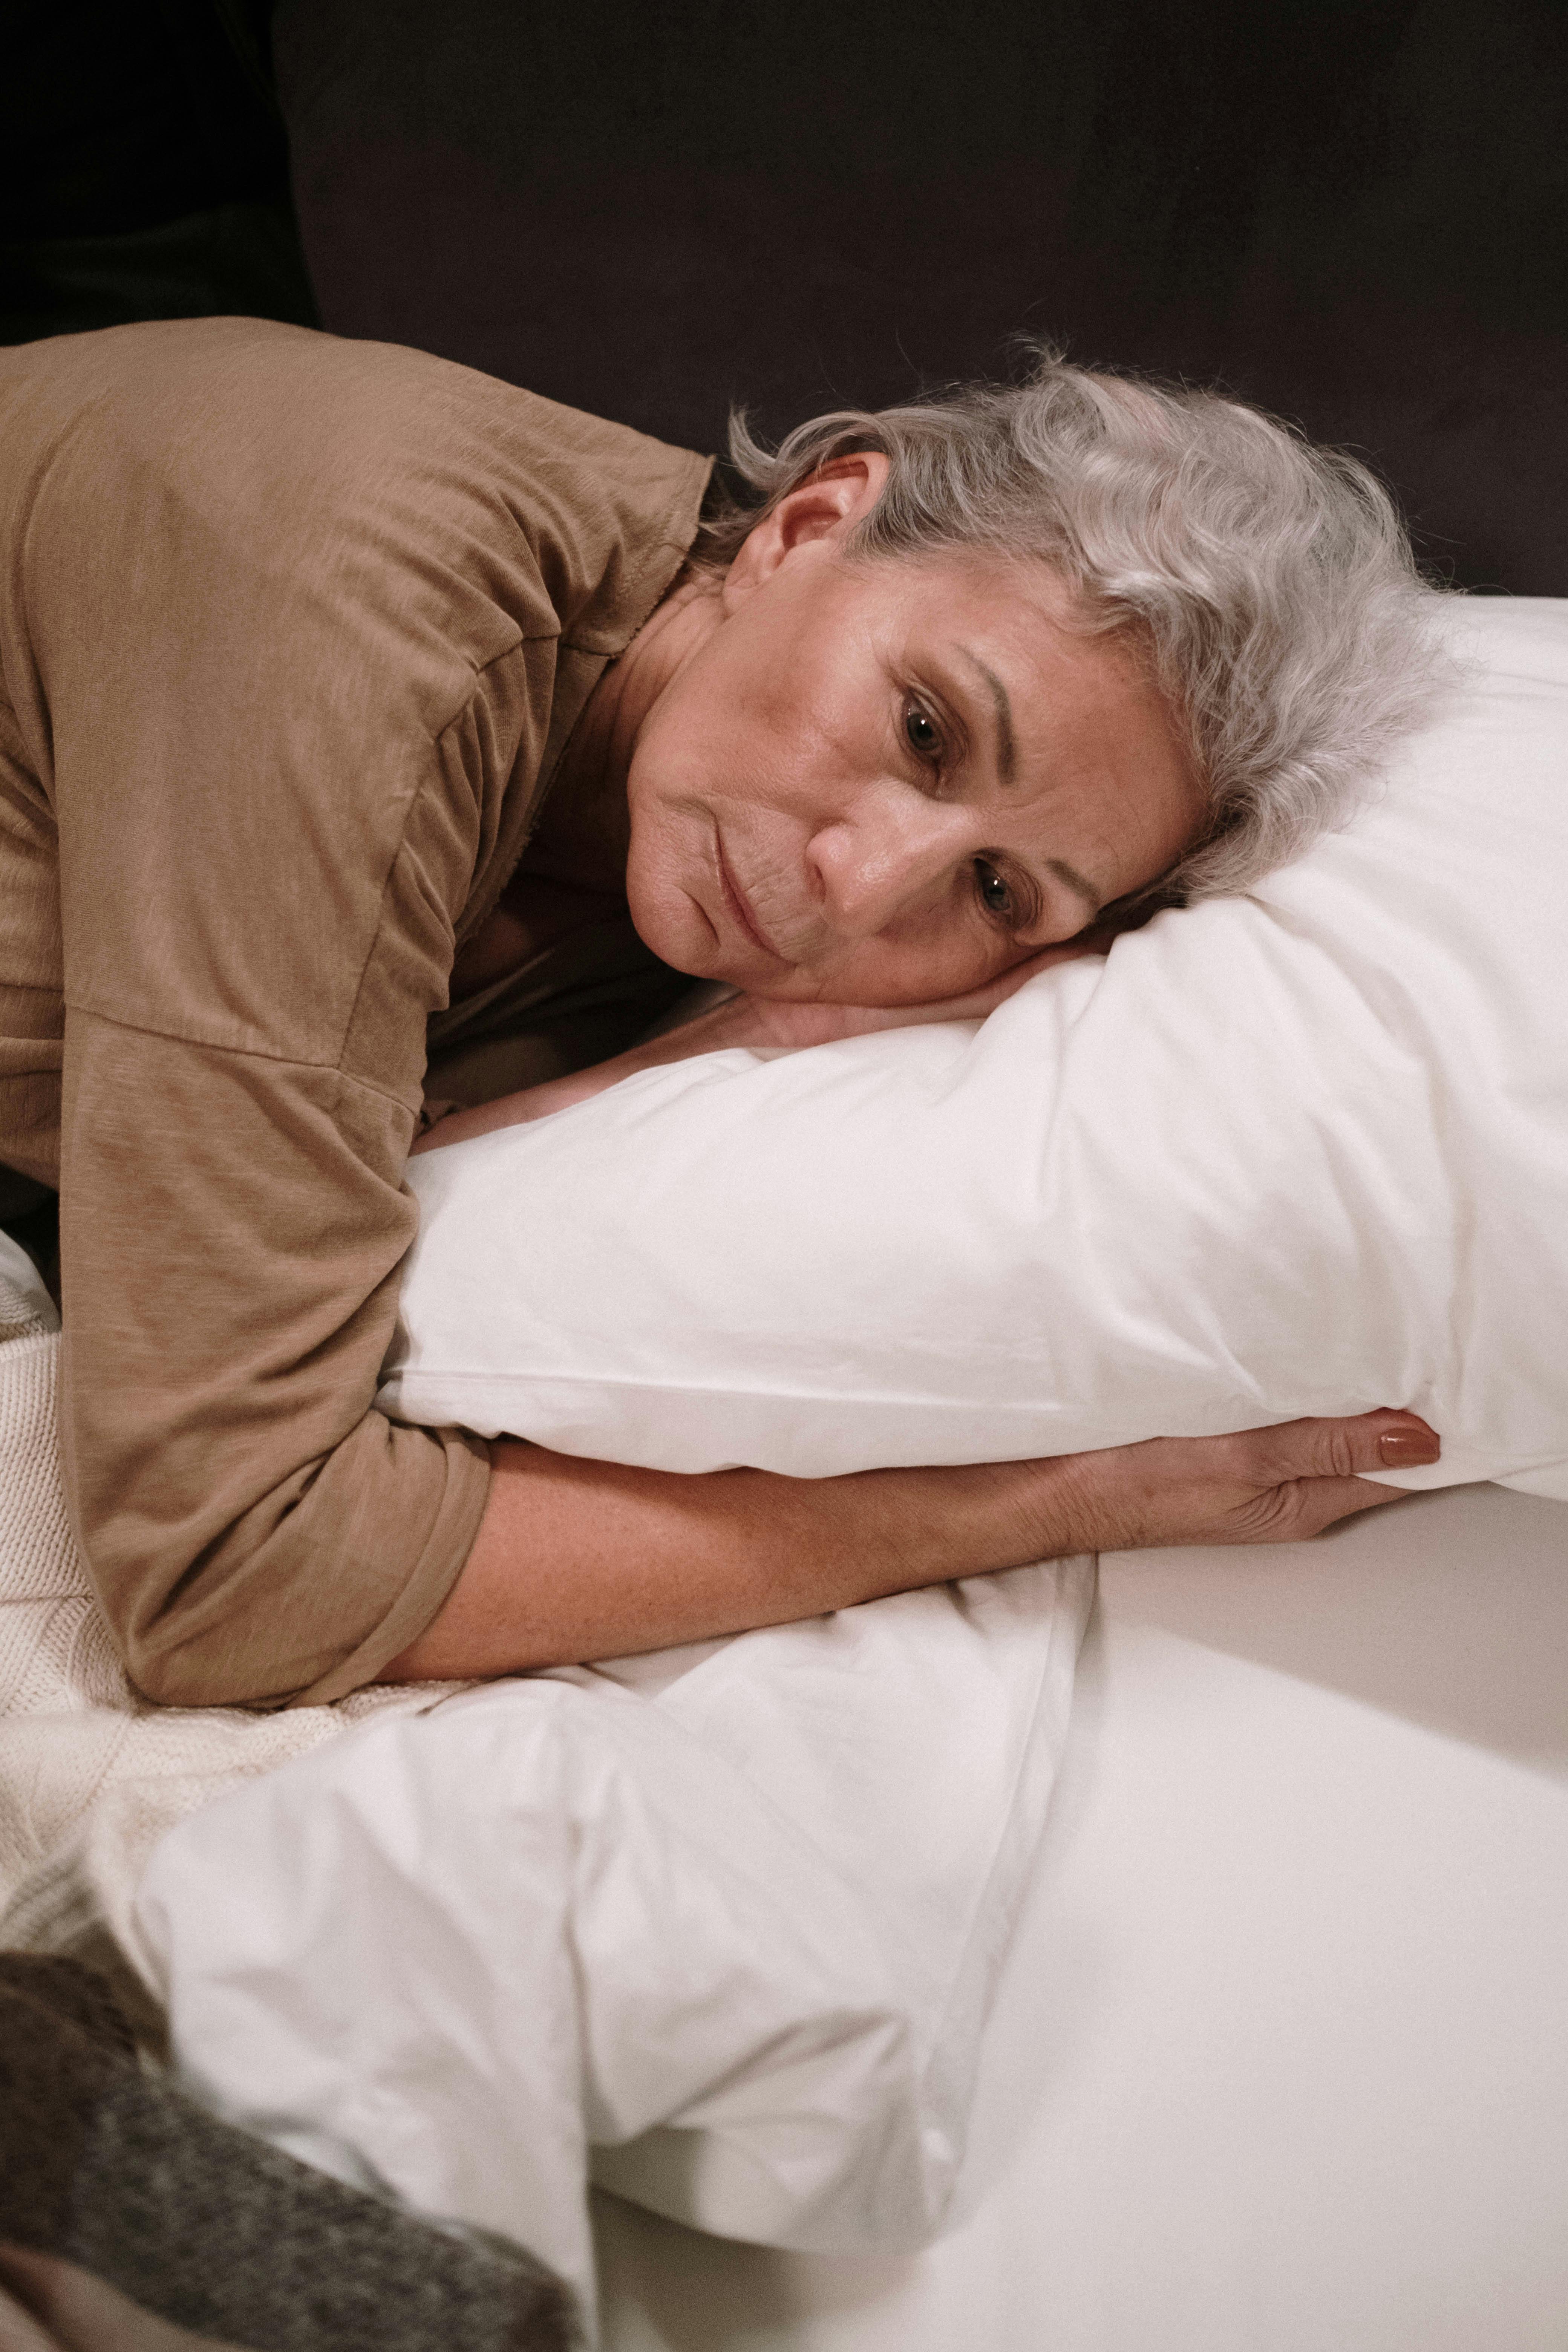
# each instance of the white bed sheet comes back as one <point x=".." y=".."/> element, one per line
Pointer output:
<point x="1279" y="2061"/>
<point x="734" y="1931"/>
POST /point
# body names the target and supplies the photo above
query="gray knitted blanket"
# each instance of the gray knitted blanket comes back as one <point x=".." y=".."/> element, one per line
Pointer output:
<point x="132" y="2222"/>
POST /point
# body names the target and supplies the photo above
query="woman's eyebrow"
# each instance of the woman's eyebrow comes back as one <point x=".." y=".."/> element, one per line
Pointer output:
<point x="1006" y="751"/>
<point x="1074" y="882"/>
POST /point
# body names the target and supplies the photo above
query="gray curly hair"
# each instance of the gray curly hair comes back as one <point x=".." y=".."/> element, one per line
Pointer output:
<point x="1270" y="584"/>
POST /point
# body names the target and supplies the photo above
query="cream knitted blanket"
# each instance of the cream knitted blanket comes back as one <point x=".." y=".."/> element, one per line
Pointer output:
<point x="91" y="1775"/>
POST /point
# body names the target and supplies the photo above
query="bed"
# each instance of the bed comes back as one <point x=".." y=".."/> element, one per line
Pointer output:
<point x="1277" y="2053"/>
<point x="1281" y="2054"/>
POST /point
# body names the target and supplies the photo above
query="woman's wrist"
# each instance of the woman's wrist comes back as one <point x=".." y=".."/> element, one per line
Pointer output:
<point x="914" y="1527"/>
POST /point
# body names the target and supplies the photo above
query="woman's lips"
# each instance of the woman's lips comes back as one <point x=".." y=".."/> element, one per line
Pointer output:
<point x="740" y="905"/>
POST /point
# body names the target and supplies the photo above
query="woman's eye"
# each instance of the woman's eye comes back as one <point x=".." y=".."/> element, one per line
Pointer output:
<point x="923" y="736"/>
<point x="995" y="896"/>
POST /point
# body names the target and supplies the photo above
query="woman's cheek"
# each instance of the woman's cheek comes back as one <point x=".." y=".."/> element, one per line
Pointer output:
<point x="909" y="973"/>
<point x="958" y="949"/>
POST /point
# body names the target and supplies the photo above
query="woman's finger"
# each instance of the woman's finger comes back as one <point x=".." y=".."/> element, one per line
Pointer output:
<point x="1358" y="1447"/>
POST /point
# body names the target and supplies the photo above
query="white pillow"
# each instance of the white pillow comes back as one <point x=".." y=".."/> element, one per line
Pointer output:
<point x="1300" y="1153"/>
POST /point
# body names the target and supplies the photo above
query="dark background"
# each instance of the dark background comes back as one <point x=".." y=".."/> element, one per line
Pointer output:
<point x="1354" y="211"/>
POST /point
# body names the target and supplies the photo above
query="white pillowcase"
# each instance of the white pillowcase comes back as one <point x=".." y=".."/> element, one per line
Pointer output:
<point x="1304" y="1152"/>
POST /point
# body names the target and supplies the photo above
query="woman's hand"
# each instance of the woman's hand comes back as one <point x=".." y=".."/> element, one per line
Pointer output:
<point x="581" y="1560"/>
<point x="1260" y="1485"/>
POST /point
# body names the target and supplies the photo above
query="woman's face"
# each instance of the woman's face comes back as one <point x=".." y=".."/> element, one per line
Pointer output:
<point x="887" y="782"/>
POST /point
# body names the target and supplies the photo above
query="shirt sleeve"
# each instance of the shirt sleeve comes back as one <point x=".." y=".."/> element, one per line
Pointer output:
<point x="280" y="644"/>
<point x="234" y="1218"/>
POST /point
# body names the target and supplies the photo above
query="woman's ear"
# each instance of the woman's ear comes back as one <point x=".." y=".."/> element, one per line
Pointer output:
<point x="824" y="508"/>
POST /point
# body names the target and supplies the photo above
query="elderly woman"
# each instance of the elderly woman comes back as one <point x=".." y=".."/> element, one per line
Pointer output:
<point x="369" y="726"/>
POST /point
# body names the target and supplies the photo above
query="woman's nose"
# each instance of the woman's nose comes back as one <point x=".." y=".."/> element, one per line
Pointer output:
<point x="880" y="859"/>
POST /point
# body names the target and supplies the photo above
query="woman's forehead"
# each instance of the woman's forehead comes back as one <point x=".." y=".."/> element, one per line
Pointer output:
<point x="1023" y="649"/>
<point x="1023" y="609"/>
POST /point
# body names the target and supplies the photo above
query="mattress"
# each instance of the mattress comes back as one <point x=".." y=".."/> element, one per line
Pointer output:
<point x="1279" y="2061"/>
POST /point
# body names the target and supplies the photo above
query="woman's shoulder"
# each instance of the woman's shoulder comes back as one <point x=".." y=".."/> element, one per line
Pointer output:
<point x="472" y="508"/>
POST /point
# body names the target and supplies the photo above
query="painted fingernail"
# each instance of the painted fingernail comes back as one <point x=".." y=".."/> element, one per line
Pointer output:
<point x="1408" y="1449"/>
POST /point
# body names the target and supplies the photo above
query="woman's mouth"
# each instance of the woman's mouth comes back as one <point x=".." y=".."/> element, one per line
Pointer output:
<point x="739" y="905"/>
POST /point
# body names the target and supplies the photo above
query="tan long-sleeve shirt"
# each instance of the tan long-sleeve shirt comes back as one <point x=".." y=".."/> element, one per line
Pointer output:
<point x="292" y="631"/>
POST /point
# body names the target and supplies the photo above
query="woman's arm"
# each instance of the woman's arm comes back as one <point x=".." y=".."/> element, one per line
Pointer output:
<point x="749" y="1021"/>
<point x="727" y="1025"/>
<point x="581" y="1560"/>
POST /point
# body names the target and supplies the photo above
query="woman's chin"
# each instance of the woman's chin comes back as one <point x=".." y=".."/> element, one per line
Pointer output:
<point x="672" y="925"/>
